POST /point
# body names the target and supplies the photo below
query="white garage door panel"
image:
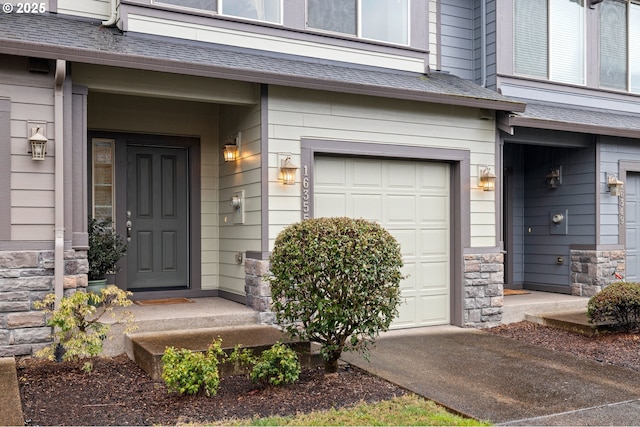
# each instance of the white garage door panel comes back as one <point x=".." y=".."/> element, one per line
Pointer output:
<point x="334" y="204"/>
<point x="368" y="206"/>
<point x="411" y="200"/>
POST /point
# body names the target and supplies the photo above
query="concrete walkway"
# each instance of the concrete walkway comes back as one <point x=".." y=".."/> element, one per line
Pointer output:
<point x="10" y="404"/>
<point x="503" y="381"/>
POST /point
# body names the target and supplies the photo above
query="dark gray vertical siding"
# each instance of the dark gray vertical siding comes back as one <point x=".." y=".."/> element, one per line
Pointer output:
<point x="612" y="150"/>
<point x="457" y="38"/>
<point x="541" y="248"/>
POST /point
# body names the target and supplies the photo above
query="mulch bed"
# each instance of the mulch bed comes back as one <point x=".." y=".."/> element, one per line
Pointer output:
<point x="117" y="392"/>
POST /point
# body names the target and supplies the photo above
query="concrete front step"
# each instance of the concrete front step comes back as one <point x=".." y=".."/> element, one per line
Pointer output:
<point x="148" y="348"/>
<point x="197" y="314"/>
<point x="568" y="320"/>
<point x="516" y="307"/>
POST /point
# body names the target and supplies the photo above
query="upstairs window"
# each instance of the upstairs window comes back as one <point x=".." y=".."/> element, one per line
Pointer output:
<point x="549" y="40"/>
<point x="259" y="10"/>
<point x="383" y="20"/>
<point x="619" y="22"/>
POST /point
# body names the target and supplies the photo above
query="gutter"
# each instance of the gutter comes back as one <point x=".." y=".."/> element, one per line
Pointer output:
<point x="58" y="106"/>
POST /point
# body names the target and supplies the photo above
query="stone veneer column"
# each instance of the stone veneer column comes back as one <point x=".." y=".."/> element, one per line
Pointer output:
<point x="26" y="277"/>
<point x="258" y="289"/>
<point x="483" y="289"/>
<point x="592" y="270"/>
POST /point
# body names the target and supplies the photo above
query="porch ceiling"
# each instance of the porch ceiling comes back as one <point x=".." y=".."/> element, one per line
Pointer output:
<point x="81" y="40"/>
<point x="575" y="119"/>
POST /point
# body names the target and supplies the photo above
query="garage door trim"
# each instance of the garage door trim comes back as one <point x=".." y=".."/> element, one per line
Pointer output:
<point x="459" y="161"/>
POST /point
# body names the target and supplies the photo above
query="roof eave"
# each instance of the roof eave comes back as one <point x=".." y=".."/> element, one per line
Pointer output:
<point x="96" y="57"/>
<point x="572" y="127"/>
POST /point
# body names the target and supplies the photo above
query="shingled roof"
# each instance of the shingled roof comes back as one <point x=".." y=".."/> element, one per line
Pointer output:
<point x="577" y="119"/>
<point x="75" y="39"/>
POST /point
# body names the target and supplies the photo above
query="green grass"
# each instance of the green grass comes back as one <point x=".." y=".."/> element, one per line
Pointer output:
<point x="408" y="410"/>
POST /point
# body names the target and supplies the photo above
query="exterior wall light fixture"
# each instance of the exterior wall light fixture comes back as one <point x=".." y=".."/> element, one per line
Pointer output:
<point x="231" y="152"/>
<point x="288" y="170"/>
<point x="554" y="177"/>
<point x="615" y="185"/>
<point x="38" y="143"/>
<point x="487" y="179"/>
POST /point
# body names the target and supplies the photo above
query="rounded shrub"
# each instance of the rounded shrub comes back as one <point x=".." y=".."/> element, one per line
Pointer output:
<point x="336" y="281"/>
<point x="618" y="305"/>
<point x="190" y="372"/>
<point x="278" y="365"/>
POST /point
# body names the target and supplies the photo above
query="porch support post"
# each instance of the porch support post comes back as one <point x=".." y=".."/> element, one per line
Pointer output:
<point x="61" y="70"/>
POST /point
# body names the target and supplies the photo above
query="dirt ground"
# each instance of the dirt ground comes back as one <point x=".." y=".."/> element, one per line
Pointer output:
<point x="117" y="392"/>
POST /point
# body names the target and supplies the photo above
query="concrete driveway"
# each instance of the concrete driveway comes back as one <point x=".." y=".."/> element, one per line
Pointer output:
<point x="497" y="379"/>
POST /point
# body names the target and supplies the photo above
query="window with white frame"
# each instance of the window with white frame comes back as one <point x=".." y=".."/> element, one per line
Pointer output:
<point x="103" y="190"/>
<point x="260" y="10"/>
<point x="619" y="22"/>
<point x="549" y="40"/>
<point x="383" y="20"/>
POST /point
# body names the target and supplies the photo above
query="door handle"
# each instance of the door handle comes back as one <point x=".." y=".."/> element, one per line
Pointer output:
<point x="128" y="231"/>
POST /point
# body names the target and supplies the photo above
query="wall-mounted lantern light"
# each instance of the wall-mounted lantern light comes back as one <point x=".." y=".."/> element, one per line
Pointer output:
<point x="38" y="143"/>
<point x="231" y="151"/>
<point x="615" y="185"/>
<point x="554" y="177"/>
<point x="487" y="179"/>
<point x="288" y="170"/>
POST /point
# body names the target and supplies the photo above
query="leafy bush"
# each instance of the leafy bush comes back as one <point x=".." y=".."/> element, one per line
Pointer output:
<point x="78" y="331"/>
<point x="188" y="372"/>
<point x="105" y="248"/>
<point x="617" y="304"/>
<point x="336" y="281"/>
<point x="277" y="366"/>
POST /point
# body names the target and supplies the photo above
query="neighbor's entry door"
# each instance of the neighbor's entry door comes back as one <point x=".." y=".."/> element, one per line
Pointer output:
<point x="157" y="213"/>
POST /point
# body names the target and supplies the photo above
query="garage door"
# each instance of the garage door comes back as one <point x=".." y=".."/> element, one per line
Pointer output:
<point x="411" y="200"/>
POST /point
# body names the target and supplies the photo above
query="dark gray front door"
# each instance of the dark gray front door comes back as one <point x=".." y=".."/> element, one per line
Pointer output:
<point x="157" y="213"/>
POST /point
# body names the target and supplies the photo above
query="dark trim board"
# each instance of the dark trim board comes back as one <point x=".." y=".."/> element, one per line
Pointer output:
<point x="459" y="161"/>
<point x="625" y="167"/>
<point x="5" y="168"/>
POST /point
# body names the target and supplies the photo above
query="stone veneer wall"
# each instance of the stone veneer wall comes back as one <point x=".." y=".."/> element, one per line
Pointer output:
<point x="26" y="277"/>
<point x="483" y="289"/>
<point x="593" y="270"/>
<point x="258" y="289"/>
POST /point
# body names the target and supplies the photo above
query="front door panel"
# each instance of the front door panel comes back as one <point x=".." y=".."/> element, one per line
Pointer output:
<point x="157" y="214"/>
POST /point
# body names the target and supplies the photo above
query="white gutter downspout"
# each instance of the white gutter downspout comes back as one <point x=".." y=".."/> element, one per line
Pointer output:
<point x="483" y="42"/>
<point x="61" y="71"/>
<point x="113" y="18"/>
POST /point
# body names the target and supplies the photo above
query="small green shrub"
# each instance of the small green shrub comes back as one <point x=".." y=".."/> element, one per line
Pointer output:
<point x="105" y="248"/>
<point x="242" y="358"/>
<point x="277" y="366"/>
<point x="188" y="372"/>
<point x="336" y="281"/>
<point x="617" y="304"/>
<point x="78" y="331"/>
